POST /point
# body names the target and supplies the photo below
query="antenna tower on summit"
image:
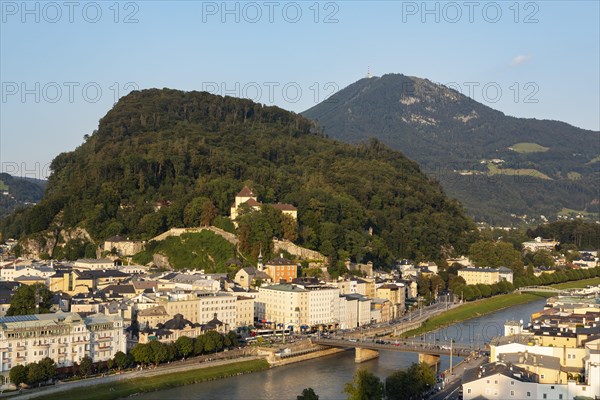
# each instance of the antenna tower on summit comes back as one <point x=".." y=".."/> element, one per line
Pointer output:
<point x="369" y="76"/>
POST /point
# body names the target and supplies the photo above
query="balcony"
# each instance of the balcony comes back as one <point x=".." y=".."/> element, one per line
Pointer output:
<point x="42" y="345"/>
<point x="20" y="348"/>
<point x="103" y="338"/>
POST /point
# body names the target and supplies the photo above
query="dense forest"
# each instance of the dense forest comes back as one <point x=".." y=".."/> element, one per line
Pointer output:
<point x="585" y="236"/>
<point x="157" y="151"/>
<point x="447" y="132"/>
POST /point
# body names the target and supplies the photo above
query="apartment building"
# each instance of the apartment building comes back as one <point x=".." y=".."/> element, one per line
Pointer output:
<point x="485" y="276"/>
<point x="64" y="337"/>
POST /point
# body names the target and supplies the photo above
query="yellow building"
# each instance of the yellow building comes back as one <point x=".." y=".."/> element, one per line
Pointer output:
<point x="546" y="368"/>
<point x="485" y="276"/>
<point x="395" y="294"/>
<point x="244" y="308"/>
<point x="247" y="196"/>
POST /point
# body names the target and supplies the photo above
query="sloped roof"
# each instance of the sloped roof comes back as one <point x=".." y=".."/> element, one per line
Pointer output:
<point x="121" y="289"/>
<point x="246" y="192"/>
<point x="280" y="261"/>
<point x="178" y="323"/>
<point x="153" y="311"/>
<point x="284" y="207"/>
<point x="253" y="203"/>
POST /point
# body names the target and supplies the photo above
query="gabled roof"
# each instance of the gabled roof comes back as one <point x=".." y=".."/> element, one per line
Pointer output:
<point x="246" y="192"/>
<point x="284" y="207"/>
<point x="280" y="261"/>
<point x="178" y="323"/>
<point x="153" y="311"/>
<point x="121" y="289"/>
<point x="253" y="203"/>
<point x="511" y="371"/>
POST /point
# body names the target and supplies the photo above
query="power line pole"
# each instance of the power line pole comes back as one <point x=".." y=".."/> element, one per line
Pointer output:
<point x="451" y="341"/>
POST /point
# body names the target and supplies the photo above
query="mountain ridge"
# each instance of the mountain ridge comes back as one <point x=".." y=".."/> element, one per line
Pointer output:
<point x="443" y="129"/>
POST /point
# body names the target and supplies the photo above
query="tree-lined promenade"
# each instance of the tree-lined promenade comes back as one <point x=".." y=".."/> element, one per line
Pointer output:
<point x="486" y="306"/>
<point x="157" y="379"/>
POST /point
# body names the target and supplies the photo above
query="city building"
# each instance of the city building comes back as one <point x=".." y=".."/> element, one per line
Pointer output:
<point x="64" y="337"/>
<point x="540" y="244"/>
<point x="286" y="304"/>
<point x="281" y="269"/>
<point x="485" y="276"/>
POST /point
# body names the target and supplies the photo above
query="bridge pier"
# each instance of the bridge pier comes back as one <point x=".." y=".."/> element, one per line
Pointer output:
<point x="433" y="360"/>
<point x="362" y="355"/>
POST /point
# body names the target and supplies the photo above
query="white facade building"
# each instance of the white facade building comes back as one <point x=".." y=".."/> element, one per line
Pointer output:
<point x="64" y="337"/>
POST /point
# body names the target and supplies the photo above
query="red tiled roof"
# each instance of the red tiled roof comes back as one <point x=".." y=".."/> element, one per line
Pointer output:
<point x="284" y="207"/>
<point x="245" y="192"/>
<point x="253" y="203"/>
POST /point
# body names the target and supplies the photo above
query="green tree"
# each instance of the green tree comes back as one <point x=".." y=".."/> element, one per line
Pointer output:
<point x="542" y="258"/>
<point x="26" y="298"/>
<point x="142" y="353"/>
<point x="498" y="254"/>
<point x="231" y="339"/>
<point x="409" y="384"/>
<point x="85" y="366"/>
<point x="18" y="374"/>
<point x="49" y="367"/>
<point x="121" y="360"/>
<point x="185" y="346"/>
<point x="213" y="342"/>
<point x="208" y="214"/>
<point x="159" y="352"/>
<point x="192" y="214"/>
<point x="364" y="386"/>
<point x="199" y="344"/>
<point x="35" y="374"/>
<point x="308" y="394"/>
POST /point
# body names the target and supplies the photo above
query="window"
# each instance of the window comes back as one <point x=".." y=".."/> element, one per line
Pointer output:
<point x="528" y="394"/>
<point x="542" y="376"/>
<point x="496" y="382"/>
<point x="544" y="396"/>
<point x="560" y="397"/>
<point x="512" y="383"/>
<point x="512" y="392"/>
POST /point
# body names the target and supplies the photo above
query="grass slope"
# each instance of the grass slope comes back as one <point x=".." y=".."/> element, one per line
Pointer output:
<point x="122" y="389"/>
<point x="203" y="250"/>
<point x="521" y="172"/>
<point x="527" y="147"/>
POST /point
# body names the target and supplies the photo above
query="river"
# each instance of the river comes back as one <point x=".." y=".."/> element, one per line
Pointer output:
<point x="328" y="375"/>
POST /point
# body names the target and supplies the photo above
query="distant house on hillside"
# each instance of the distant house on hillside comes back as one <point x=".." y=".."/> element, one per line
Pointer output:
<point x="247" y="196"/>
<point x="540" y="244"/>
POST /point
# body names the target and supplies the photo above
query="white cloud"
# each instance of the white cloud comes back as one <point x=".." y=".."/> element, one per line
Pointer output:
<point x="520" y="59"/>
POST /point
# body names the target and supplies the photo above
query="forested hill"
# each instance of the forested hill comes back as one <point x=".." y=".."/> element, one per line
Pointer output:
<point x="19" y="191"/>
<point x="171" y="147"/>
<point x="493" y="163"/>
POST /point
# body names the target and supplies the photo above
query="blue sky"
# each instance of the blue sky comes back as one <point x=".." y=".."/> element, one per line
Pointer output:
<point x="63" y="66"/>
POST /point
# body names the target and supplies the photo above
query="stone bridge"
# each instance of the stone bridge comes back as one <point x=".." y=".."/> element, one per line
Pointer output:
<point x="368" y="349"/>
